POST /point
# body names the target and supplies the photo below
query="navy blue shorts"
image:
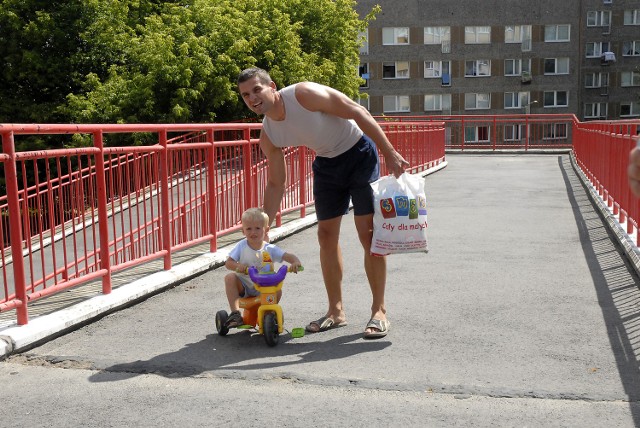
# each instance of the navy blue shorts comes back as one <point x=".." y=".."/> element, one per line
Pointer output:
<point x="346" y="177"/>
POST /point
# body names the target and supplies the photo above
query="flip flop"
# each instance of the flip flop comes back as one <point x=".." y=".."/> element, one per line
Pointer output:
<point x="381" y="325"/>
<point x="324" y="324"/>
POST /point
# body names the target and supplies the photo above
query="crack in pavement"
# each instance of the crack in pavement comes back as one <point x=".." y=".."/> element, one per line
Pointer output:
<point x="103" y="374"/>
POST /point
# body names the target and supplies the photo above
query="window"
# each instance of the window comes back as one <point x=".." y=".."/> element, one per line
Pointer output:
<point x="516" y="99"/>
<point x="598" y="18"/>
<point x="629" y="109"/>
<point x="395" y="70"/>
<point x="436" y="35"/>
<point x="364" y="102"/>
<point x="513" y="132"/>
<point x="363" y="71"/>
<point x="436" y="69"/>
<point x="476" y="134"/>
<point x="630" y="78"/>
<point x="395" y="103"/>
<point x="632" y="17"/>
<point x="595" y="110"/>
<point x="477" y="35"/>
<point x="557" y="33"/>
<point x="556" y="98"/>
<point x="517" y="33"/>
<point x="364" y="43"/>
<point x="515" y="67"/>
<point x="596" y="49"/>
<point x="631" y="48"/>
<point x="437" y="102"/>
<point x="481" y="67"/>
<point x="596" y="80"/>
<point x="556" y="66"/>
<point x="477" y="101"/>
<point x="395" y="36"/>
<point x="555" y="131"/>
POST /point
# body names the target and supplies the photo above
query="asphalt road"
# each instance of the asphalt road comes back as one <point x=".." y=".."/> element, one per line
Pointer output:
<point x="523" y="313"/>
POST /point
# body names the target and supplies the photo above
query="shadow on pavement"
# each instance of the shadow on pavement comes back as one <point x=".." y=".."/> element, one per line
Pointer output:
<point x="617" y="285"/>
<point x="241" y="350"/>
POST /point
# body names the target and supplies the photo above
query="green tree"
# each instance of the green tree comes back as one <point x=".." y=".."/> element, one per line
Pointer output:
<point x="38" y="41"/>
<point x="146" y="61"/>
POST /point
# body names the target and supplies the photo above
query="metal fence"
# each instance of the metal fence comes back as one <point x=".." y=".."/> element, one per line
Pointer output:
<point x="73" y="216"/>
<point x="601" y="149"/>
<point x="502" y="132"/>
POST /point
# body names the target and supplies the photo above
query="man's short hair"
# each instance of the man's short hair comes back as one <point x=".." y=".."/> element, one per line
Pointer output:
<point x="250" y="73"/>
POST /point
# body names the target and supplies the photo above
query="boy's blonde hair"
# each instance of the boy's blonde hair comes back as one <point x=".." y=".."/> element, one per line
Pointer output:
<point x="255" y="214"/>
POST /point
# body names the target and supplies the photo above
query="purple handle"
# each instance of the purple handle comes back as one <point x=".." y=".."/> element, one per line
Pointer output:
<point x="267" y="279"/>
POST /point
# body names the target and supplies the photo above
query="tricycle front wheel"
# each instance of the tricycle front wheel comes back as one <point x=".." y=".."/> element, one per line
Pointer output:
<point x="270" y="328"/>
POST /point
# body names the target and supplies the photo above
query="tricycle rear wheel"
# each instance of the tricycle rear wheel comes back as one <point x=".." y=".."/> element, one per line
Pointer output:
<point x="221" y="320"/>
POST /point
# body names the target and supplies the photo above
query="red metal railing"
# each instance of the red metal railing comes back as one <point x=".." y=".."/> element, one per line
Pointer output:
<point x="501" y="132"/>
<point x="601" y="150"/>
<point x="72" y="216"/>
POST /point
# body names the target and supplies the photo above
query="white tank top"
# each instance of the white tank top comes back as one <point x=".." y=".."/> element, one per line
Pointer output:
<point x="327" y="135"/>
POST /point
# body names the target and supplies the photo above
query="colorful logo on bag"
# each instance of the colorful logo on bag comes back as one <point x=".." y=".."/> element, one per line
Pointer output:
<point x="387" y="208"/>
<point x="413" y="209"/>
<point x="422" y="205"/>
<point x="402" y="206"/>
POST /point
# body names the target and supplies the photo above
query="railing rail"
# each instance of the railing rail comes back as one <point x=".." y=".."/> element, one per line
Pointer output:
<point x="73" y="216"/>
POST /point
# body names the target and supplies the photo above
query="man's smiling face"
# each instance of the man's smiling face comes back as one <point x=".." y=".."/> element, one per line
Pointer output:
<point x="257" y="95"/>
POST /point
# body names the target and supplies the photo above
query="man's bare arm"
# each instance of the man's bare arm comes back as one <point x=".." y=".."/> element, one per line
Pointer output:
<point x="276" y="178"/>
<point x="315" y="97"/>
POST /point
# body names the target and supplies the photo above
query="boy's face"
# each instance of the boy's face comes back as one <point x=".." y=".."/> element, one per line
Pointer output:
<point x="255" y="232"/>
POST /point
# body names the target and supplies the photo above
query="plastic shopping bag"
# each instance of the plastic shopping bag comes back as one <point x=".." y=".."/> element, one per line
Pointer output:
<point x="400" y="218"/>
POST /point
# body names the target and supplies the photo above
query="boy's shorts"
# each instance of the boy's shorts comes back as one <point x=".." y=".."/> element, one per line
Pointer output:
<point x="249" y="288"/>
<point x="346" y="177"/>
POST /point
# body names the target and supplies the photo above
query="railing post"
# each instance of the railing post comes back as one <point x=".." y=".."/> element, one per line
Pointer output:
<point x="302" y="151"/>
<point x="15" y="227"/>
<point x="211" y="184"/>
<point x="464" y="136"/>
<point x="247" y="163"/>
<point x="183" y="223"/>
<point x="494" y="134"/>
<point x="164" y="198"/>
<point x="527" y="131"/>
<point x="103" y="216"/>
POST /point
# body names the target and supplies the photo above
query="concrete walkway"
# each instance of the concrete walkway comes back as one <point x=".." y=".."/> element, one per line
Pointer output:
<point x="523" y="313"/>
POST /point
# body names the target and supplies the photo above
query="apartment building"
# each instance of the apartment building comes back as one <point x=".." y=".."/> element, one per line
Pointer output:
<point x="503" y="57"/>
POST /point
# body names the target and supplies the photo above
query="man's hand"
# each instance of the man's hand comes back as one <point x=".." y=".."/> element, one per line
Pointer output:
<point x="395" y="163"/>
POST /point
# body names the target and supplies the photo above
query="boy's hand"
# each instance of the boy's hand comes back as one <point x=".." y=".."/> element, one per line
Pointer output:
<point x="295" y="267"/>
<point x="242" y="268"/>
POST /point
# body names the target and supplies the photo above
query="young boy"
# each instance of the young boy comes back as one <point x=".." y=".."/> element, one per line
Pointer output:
<point x="251" y="251"/>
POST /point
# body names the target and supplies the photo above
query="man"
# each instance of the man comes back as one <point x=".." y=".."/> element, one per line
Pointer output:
<point x="345" y="137"/>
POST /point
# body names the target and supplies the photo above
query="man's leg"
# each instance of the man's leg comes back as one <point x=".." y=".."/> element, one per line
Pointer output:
<point x="331" y="264"/>
<point x="374" y="266"/>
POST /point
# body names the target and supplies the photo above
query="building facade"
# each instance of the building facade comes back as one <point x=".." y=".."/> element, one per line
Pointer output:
<point x="503" y="57"/>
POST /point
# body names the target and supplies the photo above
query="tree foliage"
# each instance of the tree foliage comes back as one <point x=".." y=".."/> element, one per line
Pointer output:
<point x="146" y="61"/>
